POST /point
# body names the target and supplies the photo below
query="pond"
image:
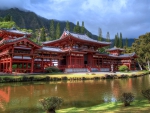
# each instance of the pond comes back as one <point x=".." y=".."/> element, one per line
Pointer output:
<point x="23" y="97"/>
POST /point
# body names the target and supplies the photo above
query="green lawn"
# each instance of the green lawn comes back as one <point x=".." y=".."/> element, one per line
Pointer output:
<point x="142" y="106"/>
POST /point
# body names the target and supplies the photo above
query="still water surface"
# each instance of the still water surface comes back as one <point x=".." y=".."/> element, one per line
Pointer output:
<point x="23" y="97"/>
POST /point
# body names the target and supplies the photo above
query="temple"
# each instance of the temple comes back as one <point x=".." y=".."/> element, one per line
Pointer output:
<point x="70" y="53"/>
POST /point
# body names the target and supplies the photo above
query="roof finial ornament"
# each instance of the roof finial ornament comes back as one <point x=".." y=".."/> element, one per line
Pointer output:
<point x="13" y="27"/>
<point x="25" y="36"/>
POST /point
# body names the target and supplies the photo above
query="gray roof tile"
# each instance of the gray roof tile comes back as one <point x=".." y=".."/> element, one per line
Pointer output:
<point x="79" y="36"/>
<point x="115" y="48"/>
<point x="51" y="49"/>
<point x="17" y="31"/>
<point x="124" y="55"/>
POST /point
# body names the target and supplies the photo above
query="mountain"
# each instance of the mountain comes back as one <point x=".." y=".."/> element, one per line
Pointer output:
<point x="30" y="20"/>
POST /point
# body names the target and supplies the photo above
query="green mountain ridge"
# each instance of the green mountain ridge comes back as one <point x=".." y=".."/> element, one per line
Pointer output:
<point x="30" y="20"/>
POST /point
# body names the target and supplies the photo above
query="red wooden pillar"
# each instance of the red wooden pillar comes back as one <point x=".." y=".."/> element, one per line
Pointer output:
<point x="0" y="66"/>
<point x="10" y="65"/>
<point x="129" y="66"/>
<point x="42" y="66"/>
<point x="32" y="64"/>
<point x="27" y="67"/>
<point x="32" y="61"/>
<point x="70" y="60"/>
<point x="7" y="66"/>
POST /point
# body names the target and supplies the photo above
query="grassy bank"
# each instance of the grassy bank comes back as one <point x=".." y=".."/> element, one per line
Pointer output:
<point x="142" y="106"/>
<point x="70" y="76"/>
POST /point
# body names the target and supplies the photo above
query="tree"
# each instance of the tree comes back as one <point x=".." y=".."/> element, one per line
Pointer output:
<point x="37" y="35"/>
<point x="115" y="41"/>
<point x="7" y="18"/>
<point x="77" y="28"/>
<point x="82" y="28"/>
<point x="141" y="47"/>
<point x="74" y="29"/>
<point x="100" y="38"/>
<point x="8" y="24"/>
<point x="107" y="37"/>
<point x="127" y="98"/>
<point x="1" y="19"/>
<point x="126" y="42"/>
<point x="52" y="30"/>
<point x="146" y="94"/>
<point x="67" y="26"/>
<point x="120" y="41"/>
<point x="43" y="35"/>
<point x="57" y="31"/>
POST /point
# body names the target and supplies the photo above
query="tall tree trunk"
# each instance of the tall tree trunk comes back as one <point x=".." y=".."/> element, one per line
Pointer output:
<point x="148" y="65"/>
<point x="140" y="66"/>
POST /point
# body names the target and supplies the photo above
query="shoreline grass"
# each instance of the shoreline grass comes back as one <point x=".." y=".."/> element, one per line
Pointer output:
<point x="70" y="76"/>
<point x="138" y="106"/>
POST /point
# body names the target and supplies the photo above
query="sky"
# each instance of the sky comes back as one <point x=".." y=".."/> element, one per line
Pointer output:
<point x="130" y="17"/>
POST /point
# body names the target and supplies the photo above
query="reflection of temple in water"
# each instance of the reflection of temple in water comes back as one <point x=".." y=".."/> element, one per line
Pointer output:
<point x="4" y="97"/>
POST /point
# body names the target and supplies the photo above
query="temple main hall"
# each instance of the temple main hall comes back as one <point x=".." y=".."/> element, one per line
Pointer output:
<point x="72" y="52"/>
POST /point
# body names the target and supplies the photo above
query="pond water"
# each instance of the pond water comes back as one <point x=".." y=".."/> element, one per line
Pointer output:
<point x="23" y="97"/>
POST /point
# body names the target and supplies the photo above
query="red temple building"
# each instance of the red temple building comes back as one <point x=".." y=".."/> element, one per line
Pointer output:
<point x="71" y="53"/>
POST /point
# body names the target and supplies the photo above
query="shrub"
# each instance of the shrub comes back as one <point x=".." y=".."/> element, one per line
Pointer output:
<point x="14" y="66"/>
<point x="52" y="69"/>
<point x="50" y="104"/>
<point x="24" y="78"/>
<point x="146" y="94"/>
<point x="6" y="79"/>
<point x="31" y="78"/>
<point x="127" y="98"/>
<point x="123" y="68"/>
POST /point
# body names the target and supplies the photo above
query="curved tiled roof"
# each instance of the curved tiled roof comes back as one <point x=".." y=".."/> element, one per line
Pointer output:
<point x="16" y="31"/>
<point x="78" y="36"/>
<point x="124" y="55"/>
<point x="6" y="41"/>
<point x="115" y="48"/>
<point x="55" y="49"/>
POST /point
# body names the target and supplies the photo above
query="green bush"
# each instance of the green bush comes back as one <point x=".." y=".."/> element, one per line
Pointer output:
<point x="146" y="94"/>
<point x="52" y="69"/>
<point x="127" y="98"/>
<point x="123" y="68"/>
<point x="14" y="66"/>
<point x="50" y="104"/>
